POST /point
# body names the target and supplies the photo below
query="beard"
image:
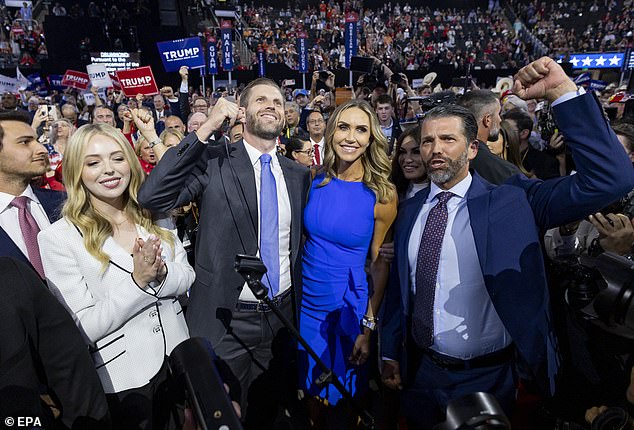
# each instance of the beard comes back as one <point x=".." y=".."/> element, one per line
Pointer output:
<point x="494" y="133"/>
<point x="442" y="176"/>
<point x="261" y="129"/>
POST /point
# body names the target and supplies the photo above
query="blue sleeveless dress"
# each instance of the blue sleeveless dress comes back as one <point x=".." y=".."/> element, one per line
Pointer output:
<point x="339" y="223"/>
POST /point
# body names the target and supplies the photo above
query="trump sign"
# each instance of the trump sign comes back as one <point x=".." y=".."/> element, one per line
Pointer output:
<point x="137" y="81"/>
<point x="75" y="79"/>
<point x="181" y="52"/>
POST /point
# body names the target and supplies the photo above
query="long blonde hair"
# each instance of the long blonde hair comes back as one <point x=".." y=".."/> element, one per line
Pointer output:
<point x="376" y="164"/>
<point x="78" y="209"/>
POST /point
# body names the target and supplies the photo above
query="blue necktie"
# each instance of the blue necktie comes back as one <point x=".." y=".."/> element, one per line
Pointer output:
<point x="427" y="272"/>
<point x="269" y="229"/>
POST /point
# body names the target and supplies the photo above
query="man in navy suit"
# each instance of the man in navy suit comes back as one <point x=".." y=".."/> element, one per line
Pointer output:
<point x="468" y="290"/>
<point x="23" y="158"/>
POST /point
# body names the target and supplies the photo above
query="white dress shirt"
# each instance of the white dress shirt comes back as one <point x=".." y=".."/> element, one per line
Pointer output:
<point x="9" y="217"/>
<point x="387" y="130"/>
<point x="321" y="144"/>
<point x="466" y="324"/>
<point x="284" y="218"/>
<point x="414" y="188"/>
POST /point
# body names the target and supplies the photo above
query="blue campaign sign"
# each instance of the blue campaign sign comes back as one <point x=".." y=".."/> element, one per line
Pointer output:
<point x="213" y="58"/>
<point x="302" y="50"/>
<point x="227" y="45"/>
<point x="181" y="52"/>
<point x="55" y="82"/>
<point x="605" y="60"/>
<point x="350" y="38"/>
<point x="261" y="63"/>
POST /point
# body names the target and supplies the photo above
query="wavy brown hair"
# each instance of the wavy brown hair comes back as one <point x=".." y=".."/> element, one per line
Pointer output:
<point x="78" y="208"/>
<point x="397" y="177"/>
<point x="376" y="164"/>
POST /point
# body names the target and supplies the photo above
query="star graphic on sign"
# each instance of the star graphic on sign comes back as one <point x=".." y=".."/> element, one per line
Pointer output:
<point x="575" y="61"/>
<point x="586" y="62"/>
<point x="614" y="61"/>
<point x="600" y="61"/>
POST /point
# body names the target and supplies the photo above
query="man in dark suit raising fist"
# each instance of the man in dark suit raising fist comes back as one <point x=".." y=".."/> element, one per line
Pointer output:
<point x="468" y="289"/>
<point x="251" y="202"/>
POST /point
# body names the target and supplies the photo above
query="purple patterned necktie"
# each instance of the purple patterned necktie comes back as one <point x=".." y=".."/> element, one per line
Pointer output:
<point x="30" y="229"/>
<point x="427" y="271"/>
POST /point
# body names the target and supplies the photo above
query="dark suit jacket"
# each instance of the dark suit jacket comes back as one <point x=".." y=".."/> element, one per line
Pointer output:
<point x="220" y="178"/>
<point x="40" y="345"/>
<point x="52" y="202"/>
<point x="507" y="222"/>
<point x="492" y="168"/>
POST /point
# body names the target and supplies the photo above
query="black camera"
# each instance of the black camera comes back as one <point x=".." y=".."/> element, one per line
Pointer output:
<point x="613" y="419"/>
<point x="546" y="124"/>
<point x="323" y="76"/>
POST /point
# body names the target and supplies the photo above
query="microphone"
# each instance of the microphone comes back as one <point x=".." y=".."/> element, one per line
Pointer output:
<point x="194" y="365"/>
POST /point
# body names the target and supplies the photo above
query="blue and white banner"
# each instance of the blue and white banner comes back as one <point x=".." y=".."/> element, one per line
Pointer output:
<point x="55" y="82"/>
<point x="350" y="38"/>
<point x="605" y="60"/>
<point x="582" y="78"/>
<point x="261" y="63"/>
<point x="227" y="45"/>
<point x="598" y="85"/>
<point x="181" y="52"/>
<point x="213" y="57"/>
<point x="302" y="51"/>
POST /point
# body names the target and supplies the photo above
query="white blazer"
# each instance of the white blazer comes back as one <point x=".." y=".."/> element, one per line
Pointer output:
<point x="129" y="330"/>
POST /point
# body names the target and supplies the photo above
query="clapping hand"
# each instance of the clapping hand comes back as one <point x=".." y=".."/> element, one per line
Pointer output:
<point x="148" y="264"/>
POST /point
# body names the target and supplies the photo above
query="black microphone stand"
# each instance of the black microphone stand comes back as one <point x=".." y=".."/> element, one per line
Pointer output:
<point x="251" y="269"/>
<point x="224" y="315"/>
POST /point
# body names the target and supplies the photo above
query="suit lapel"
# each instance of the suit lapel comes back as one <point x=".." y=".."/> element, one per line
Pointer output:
<point x="51" y="202"/>
<point x="408" y="215"/>
<point x="10" y="249"/>
<point x="293" y="185"/>
<point x="478" y="205"/>
<point x="244" y="171"/>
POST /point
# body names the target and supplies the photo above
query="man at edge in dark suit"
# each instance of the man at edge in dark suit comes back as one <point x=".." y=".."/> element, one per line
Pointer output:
<point x="24" y="210"/>
<point x="40" y="346"/>
<point x="468" y="289"/>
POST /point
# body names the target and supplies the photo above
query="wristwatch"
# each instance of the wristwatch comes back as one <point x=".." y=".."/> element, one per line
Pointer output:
<point x="369" y="323"/>
<point x="155" y="142"/>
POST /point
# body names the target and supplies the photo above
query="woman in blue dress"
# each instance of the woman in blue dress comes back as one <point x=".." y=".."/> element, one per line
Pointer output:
<point x="351" y="206"/>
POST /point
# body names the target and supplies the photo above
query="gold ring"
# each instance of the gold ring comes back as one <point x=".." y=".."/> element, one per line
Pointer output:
<point x="147" y="260"/>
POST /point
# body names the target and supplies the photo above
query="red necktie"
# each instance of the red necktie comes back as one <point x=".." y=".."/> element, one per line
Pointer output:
<point x="317" y="160"/>
<point x="30" y="229"/>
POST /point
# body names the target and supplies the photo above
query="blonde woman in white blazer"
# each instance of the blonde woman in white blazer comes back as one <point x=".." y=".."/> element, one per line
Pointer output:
<point x="119" y="274"/>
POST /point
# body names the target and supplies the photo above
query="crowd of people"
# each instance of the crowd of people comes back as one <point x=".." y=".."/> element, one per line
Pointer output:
<point x="408" y="38"/>
<point x="21" y="38"/>
<point x="608" y="28"/>
<point x="416" y="243"/>
<point x="158" y="194"/>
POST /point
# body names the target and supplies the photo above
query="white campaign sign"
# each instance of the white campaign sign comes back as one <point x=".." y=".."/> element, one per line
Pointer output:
<point x="8" y="84"/>
<point x="99" y="75"/>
